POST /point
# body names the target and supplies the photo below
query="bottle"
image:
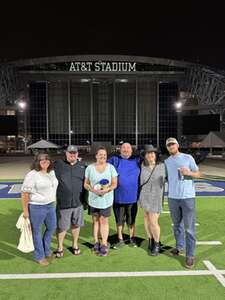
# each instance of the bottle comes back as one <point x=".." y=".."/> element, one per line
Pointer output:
<point x="180" y="175"/>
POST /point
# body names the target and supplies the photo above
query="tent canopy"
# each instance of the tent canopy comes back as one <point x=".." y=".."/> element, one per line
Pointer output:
<point x="43" y="144"/>
<point x="215" y="139"/>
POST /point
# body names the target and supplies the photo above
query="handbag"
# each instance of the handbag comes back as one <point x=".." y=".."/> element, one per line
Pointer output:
<point x="26" y="239"/>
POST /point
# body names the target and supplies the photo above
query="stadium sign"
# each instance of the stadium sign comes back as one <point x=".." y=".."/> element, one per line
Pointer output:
<point x="102" y="66"/>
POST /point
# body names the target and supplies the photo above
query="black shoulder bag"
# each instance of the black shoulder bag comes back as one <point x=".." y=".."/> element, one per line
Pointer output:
<point x="141" y="186"/>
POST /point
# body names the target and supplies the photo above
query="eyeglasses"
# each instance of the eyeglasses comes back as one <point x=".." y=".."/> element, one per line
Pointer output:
<point x="171" y="144"/>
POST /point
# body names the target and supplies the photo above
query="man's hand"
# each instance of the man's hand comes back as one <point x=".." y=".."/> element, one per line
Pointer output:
<point x="185" y="171"/>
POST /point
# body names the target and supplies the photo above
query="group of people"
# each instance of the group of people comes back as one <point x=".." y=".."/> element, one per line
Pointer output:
<point x="122" y="182"/>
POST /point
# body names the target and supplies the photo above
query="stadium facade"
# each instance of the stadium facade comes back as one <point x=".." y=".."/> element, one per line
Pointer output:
<point x="89" y="98"/>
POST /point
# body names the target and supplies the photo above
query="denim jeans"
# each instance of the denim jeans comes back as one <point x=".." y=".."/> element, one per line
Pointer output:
<point x="182" y="212"/>
<point x="42" y="215"/>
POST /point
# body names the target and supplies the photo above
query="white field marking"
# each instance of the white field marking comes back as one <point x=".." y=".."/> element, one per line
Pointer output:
<point x="211" y="271"/>
<point x="3" y="186"/>
<point x="110" y="274"/>
<point x="15" y="189"/>
<point x="165" y="212"/>
<point x="215" y="272"/>
<point x="208" y="243"/>
<point x="196" y="224"/>
<point x="207" y="187"/>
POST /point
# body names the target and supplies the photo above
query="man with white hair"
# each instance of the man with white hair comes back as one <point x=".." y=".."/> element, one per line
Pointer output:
<point x="181" y="169"/>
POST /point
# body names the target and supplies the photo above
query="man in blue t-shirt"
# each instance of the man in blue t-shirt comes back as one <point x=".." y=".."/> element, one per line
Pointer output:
<point x="126" y="193"/>
<point x="181" y="169"/>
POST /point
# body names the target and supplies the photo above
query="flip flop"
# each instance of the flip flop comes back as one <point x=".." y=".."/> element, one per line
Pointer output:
<point x="76" y="251"/>
<point x="59" y="253"/>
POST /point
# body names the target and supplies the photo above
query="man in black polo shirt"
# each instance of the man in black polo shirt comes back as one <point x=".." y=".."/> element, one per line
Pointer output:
<point x="70" y="174"/>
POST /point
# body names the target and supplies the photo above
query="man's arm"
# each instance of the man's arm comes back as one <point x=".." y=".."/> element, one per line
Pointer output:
<point x="187" y="172"/>
<point x="56" y="169"/>
<point x="193" y="170"/>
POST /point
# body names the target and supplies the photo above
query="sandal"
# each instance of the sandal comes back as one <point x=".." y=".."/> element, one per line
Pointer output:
<point x="59" y="253"/>
<point x="76" y="251"/>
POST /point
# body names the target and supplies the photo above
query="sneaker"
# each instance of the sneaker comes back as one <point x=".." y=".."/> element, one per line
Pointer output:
<point x="189" y="263"/>
<point x="119" y="244"/>
<point x="133" y="242"/>
<point x="104" y="250"/>
<point x="175" y="252"/>
<point x="96" y="248"/>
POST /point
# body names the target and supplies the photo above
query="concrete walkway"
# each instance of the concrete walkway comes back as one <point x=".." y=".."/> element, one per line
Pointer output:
<point x="12" y="167"/>
<point x="213" y="167"/>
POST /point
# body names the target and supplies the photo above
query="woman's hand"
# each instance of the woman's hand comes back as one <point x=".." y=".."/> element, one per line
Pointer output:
<point x="104" y="191"/>
<point x="98" y="192"/>
<point x="26" y="214"/>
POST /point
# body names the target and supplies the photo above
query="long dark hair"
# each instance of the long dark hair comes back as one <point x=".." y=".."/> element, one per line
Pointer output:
<point x="157" y="159"/>
<point x="36" y="162"/>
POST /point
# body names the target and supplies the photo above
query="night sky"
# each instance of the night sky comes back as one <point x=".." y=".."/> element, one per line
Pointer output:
<point x="192" y="32"/>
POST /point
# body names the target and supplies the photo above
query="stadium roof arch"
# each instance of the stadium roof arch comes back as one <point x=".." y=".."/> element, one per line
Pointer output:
<point x="201" y="86"/>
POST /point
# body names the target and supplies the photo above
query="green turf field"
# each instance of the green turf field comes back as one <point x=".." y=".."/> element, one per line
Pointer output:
<point x="210" y="216"/>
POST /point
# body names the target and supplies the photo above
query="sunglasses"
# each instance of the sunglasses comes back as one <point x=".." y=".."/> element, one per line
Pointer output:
<point x="171" y="144"/>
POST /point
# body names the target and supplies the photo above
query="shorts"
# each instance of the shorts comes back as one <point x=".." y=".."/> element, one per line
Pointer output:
<point x="70" y="217"/>
<point x="125" y="213"/>
<point x="105" y="212"/>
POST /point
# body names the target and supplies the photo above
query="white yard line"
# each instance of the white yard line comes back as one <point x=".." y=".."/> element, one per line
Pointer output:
<point x="211" y="271"/>
<point x="215" y="272"/>
<point x="196" y="224"/>
<point x="107" y="274"/>
<point x="208" y="243"/>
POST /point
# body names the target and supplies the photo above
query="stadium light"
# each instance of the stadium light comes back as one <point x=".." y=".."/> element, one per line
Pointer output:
<point x="84" y="80"/>
<point x="178" y="105"/>
<point x="22" y="104"/>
